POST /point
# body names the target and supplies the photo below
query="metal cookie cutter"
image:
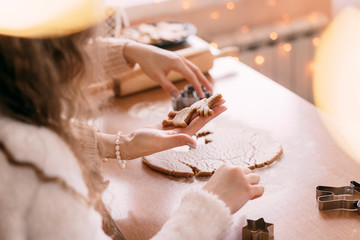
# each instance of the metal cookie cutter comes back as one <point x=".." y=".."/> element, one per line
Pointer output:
<point x="187" y="97"/>
<point x="327" y="200"/>
<point x="258" y="230"/>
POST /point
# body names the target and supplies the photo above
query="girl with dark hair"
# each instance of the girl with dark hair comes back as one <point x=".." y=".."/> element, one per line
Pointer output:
<point x="50" y="183"/>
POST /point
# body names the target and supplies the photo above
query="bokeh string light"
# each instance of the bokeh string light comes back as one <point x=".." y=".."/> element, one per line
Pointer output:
<point x="185" y="5"/>
<point x="287" y="47"/>
<point x="214" y="15"/>
<point x="230" y="5"/>
<point x="273" y="36"/>
<point x="259" y="60"/>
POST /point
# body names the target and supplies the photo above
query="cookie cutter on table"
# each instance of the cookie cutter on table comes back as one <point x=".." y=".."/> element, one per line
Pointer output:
<point x="325" y="196"/>
<point x="187" y="97"/>
<point x="258" y="230"/>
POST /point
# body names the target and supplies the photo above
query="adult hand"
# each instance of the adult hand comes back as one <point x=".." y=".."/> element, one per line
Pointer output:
<point x="235" y="186"/>
<point x="157" y="64"/>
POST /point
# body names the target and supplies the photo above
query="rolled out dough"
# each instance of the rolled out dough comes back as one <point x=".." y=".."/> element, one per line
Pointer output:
<point x="241" y="147"/>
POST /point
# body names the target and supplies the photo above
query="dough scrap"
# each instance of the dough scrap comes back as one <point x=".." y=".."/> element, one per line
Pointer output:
<point x="181" y="119"/>
<point x="240" y="147"/>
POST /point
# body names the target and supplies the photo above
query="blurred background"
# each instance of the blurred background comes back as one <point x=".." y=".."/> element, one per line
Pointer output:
<point x="276" y="37"/>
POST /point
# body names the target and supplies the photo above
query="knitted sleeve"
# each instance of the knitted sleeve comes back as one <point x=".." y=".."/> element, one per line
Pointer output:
<point x="201" y="215"/>
<point x="116" y="64"/>
<point x="109" y="54"/>
<point x="85" y="137"/>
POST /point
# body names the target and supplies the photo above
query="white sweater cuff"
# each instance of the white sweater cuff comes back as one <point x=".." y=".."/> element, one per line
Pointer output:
<point x="201" y="215"/>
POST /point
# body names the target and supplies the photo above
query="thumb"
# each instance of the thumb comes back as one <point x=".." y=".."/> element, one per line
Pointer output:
<point x="179" y="139"/>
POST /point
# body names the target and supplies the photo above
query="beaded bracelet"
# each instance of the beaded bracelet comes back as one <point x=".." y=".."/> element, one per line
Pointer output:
<point x="122" y="163"/>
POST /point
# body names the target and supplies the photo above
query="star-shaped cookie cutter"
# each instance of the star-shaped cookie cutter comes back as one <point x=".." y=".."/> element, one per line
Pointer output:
<point x="327" y="200"/>
<point x="258" y="230"/>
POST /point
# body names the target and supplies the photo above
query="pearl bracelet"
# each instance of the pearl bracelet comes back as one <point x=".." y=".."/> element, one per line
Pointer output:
<point x="122" y="163"/>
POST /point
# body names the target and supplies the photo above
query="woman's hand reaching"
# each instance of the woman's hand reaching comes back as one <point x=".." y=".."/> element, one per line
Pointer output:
<point x="157" y="64"/>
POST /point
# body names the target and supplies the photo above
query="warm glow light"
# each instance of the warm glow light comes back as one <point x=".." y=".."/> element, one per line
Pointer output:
<point x="230" y="5"/>
<point x="336" y="80"/>
<point x="214" y="44"/>
<point x="259" y="60"/>
<point x="272" y="3"/>
<point x="286" y="17"/>
<point x="287" y="47"/>
<point x="316" y="41"/>
<point x="313" y="16"/>
<point x="236" y="58"/>
<point x="273" y="36"/>
<point x="185" y="5"/>
<point x="215" y="15"/>
<point x="244" y="29"/>
<point x="311" y="66"/>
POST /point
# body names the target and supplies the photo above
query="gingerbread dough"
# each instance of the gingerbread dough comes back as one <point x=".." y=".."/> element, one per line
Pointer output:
<point x="241" y="147"/>
<point x="181" y="119"/>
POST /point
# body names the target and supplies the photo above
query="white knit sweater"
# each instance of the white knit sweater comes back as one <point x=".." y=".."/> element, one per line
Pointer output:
<point x="30" y="209"/>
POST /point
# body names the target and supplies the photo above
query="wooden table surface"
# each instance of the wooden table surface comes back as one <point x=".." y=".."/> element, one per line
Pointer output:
<point x="141" y="200"/>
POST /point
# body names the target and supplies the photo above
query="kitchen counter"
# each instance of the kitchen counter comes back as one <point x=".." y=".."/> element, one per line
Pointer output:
<point x="141" y="200"/>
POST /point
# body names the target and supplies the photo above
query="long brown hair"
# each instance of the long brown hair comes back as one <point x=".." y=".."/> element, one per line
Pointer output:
<point x="42" y="82"/>
<point x="39" y="79"/>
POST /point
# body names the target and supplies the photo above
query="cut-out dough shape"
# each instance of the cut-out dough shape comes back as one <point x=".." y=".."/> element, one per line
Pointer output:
<point x="240" y="147"/>
<point x="181" y="119"/>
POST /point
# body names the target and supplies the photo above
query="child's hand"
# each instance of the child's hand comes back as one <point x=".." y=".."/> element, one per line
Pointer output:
<point x="235" y="186"/>
<point x="146" y="141"/>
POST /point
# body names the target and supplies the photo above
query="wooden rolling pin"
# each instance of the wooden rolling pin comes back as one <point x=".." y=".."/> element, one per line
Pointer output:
<point x="135" y="80"/>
